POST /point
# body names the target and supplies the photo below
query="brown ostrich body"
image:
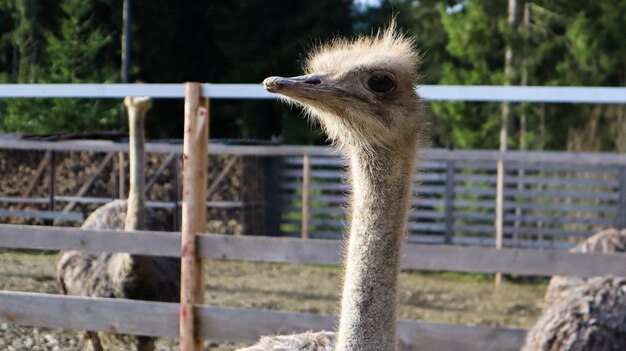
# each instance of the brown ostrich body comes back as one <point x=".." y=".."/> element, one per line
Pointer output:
<point x="363" y="95"/>
<point x="122" y="275"/>
<point x="584" y="313"/>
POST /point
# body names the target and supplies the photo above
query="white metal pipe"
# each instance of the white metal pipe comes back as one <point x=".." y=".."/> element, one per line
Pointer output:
<point x="479" y="93"/>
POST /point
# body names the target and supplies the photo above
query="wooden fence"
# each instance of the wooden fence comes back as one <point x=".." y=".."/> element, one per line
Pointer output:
<point x="244" y="325"/>
<point x="455" y="206"/>
<point x="551" y="198"/>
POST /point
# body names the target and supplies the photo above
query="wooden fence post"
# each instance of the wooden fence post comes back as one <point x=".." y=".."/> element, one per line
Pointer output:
<point x="449" y="210"/>
<point x="499" y="209"/>
<point x="176" y="191"/>
<point x="51" y="184"/>
<point x="195" y="175"/>
<point x="306" y="175"/>
<point x="620" y="220"/>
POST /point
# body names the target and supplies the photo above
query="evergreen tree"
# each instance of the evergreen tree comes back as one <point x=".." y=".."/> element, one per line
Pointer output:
<point x="72" y="55"/>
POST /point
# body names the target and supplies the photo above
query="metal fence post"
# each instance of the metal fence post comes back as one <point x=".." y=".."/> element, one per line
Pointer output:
<point x="449" y="210"/>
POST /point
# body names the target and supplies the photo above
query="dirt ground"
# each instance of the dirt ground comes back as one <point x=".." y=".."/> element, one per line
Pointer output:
<point x="434" y="297"/>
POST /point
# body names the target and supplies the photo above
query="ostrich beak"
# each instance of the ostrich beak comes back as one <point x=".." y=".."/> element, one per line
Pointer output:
<point x="313" y="90"/>
<point x="277" y="84"/>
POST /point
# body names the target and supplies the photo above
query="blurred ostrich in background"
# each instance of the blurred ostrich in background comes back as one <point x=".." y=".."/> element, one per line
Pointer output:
<point x="607" y="241"/>
<point x="584" y="313"/>
<point x="122" y="275"/>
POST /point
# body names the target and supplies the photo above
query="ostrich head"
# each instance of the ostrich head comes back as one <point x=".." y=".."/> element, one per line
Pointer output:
<point x="361" y="91"/>
<point x="138" y="104"/>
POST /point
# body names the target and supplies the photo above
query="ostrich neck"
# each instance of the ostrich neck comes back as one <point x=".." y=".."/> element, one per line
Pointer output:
<point x="127" y="267"/>
<point x="381" y="185"/>
<point x="135" y="215"/>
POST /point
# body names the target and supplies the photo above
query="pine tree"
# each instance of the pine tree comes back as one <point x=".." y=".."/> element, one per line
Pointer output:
<point x="72" y="55"/>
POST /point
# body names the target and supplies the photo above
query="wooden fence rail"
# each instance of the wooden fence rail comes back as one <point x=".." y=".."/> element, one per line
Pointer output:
<point x="238" y="325"/>
<point x="291" y="250"/>
<point x="228" y="324"/>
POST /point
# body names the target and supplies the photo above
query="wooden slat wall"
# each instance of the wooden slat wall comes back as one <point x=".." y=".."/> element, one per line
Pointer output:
<point x="560" y="197"/>
<point x="554" y="203"/>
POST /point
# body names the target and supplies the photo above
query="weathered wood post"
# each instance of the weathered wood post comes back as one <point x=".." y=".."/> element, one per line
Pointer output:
<point x="449" y="210"/>
<point x="51" y="184"/>
<point x="195" y="175"/>
<point x="306" y="174"/>
<point x="176" y="193"/>
<point x="500" y="208"/>
<point x="620" y="220"/>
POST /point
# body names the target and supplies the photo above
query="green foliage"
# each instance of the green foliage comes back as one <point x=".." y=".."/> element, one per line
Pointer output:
<point x="71" y="51"/>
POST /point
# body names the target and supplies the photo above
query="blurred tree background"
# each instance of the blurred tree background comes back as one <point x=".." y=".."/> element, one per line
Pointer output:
<point x="554" y="42"/>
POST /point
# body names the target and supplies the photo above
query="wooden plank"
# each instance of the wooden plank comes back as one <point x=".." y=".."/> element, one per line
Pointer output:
<point x="63" y="238"/>
<point x="273" y="249"/>
<point x="228" y="324"/>
<point x="84" y="313"/>
<point x="438" y="337"/>
<point x="270" y="249"/>
<point x="552" y="220"/>
<point x="599" y="159"/>
<point x="620" y="220"/>
<point x="306" y="182"/>
<point x="341" y="211"/>
<point x="103" y="200"/>
<point x="431" y="227"/>
<point x="23" y="200"/>
<point x="244" y="325"/>
<point x="449" y="200"/>
<point x="53" y="215"/>
<point x="528" y="206"/>
<point x="488" y="229"/>
<point x="517" y="261"/>
<point x="514" y="180"/>
<point x="530" y="193"/>
<point x="51" y="183"/>
<point x="248" y="325"/>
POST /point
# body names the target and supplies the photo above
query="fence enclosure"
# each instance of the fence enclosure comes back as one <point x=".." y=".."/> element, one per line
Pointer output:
<point x="551" y="199"/>
<point x="455" y="204"/>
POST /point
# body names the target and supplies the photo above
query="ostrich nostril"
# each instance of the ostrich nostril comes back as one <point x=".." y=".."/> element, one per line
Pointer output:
<point x="313" y="81"/>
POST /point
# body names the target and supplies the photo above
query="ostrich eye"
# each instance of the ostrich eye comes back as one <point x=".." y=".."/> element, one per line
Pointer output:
<point x="380" y="83"/>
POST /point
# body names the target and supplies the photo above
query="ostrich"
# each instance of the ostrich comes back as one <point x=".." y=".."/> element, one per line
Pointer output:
<point x="584" y="313"/>
<point x="590" y="317"/>
<point x="607" y="241"/>
<point x="122" y="275"/>
<point x="362" y="93"/>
